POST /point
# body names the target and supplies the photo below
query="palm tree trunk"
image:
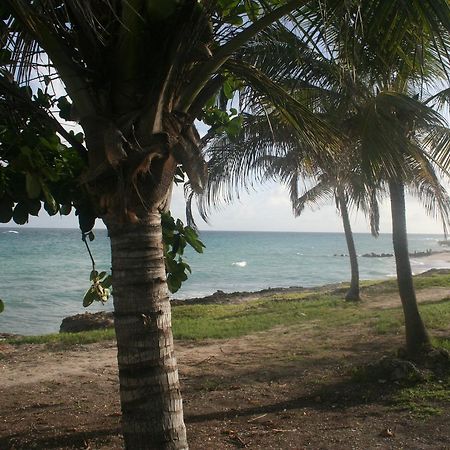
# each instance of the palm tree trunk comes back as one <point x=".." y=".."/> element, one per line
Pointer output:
<point x="416" y="334"/>
<point x="353" y="293"/>
<point x="152" y="411"/>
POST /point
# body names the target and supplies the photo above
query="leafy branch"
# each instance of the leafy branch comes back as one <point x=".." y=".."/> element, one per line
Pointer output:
<point x="175" y="238"/>
<point x="100" y="289"/>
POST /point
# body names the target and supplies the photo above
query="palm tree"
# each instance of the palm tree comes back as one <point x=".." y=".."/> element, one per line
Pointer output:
<point x="412" y="126"/>
<point x="344" y="193"/>
<point x="137" y="75"/>
<point x="390" y="135"/>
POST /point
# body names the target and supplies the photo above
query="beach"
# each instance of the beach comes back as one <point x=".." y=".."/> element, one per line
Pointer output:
<point x="286" y="387"/>
<point x="41" y="287"/>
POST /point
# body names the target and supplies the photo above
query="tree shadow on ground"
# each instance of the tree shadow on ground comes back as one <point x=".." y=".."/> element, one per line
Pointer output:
<point x="328" y="397"/>
<point x="28" y="440"/>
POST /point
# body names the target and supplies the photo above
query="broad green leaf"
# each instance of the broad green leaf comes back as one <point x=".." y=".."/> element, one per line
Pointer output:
<point x="192" y="239"/>
<point x="173" y="283"/>
<point x="50" y="204"/>
<point x="65" y="108"/>
<point x="65" y="210"/>
<point x="93" y="275"/>
<point x="34" y="206"/>
<point x="89" y="297"/>
<point x="6" y="210"/>
<point x="2" y="306"/>
<point x="5" y="56"/>
<point x="107" y="282"/>
<point x="20" y="214"/>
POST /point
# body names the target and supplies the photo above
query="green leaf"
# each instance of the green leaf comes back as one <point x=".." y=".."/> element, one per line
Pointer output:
<point x="228" y="89"/>
<point x="6" y="210"/>
<point x="173" y="283"/>
<point x="5" y="56"/>
<point x="65" y="210"/>
<point x="93" y="275"/>
<point x="101" y="275"/>
<point x="89" y="297"/>
<point x="20" y="214"/>
<point x="65" y="108"/>
<point x="193" y="240"/>
<point x="2" y="306"/>
<point x="34" y="206"/>
<point x="50" y="204"/>
<point x="107" y="282"/>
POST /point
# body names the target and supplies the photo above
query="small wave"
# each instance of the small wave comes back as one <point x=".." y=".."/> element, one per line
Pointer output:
<point x="300" y="254"/>
<point x="417" y="263"/>
<point x="239" y="263"/>
<point x="11" y="231"/>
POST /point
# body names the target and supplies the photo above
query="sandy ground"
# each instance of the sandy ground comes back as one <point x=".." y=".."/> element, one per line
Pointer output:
<point x="287" y="388"/>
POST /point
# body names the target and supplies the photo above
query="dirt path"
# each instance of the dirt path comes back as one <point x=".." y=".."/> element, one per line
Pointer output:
<point x="280" y="389"/>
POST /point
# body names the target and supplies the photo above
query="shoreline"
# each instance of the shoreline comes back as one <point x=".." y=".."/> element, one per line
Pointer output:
<point x="437" y="260"/>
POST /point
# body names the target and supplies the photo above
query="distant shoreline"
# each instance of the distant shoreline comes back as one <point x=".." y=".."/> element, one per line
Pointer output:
<point x="25" y="227"/>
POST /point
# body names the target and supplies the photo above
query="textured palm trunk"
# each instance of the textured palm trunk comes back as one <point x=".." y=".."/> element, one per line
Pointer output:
<point x="416" y="334"/>
<point x="353" y="293"/>
<point x="152" y="412"/>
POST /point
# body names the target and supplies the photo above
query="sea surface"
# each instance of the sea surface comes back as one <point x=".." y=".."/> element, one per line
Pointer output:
<point x="45" y="272"/>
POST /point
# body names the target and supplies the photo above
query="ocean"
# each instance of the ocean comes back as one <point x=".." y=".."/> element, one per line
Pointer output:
<point x="45" y="272"/>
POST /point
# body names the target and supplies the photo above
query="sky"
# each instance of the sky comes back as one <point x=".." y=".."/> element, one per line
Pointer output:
<point x="268" y="209"/>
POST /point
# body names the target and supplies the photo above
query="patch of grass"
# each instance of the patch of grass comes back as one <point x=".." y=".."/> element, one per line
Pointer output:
<point x="323" y="310"/>
<point x="211" y="385"/>
<point x="227" y="321"/>
<point x="65" y="339"/>
<point x="420" y="282"/>
<point x="424" y="400"/>
<point x="441" y="342"/>
<point x="436" y="316"/>
<point x="435" y="280"/>
<point x="387" y="322"/>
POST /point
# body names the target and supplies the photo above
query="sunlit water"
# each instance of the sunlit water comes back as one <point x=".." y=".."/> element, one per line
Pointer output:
<point x="45" y="272"/>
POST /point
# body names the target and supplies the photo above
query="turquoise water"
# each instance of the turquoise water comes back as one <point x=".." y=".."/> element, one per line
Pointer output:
<point x="45" y="272"/>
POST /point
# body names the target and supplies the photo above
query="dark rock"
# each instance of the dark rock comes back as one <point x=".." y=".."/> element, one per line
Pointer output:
<point x="377" y="255"/>
<point x="87" y="322"/>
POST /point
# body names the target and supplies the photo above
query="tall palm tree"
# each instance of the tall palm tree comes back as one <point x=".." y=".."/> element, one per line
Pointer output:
<point x="390" y="133"/>
<point x="413" y="126"/>
<point x="344" y="192"/>
<point x="137" y="75"/>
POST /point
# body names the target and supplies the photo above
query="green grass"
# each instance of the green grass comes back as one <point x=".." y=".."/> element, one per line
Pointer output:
<point x="226" y="321"/>
<point x="318" y="308"/>
<point x="441" y="342"/>
<point x="423" y="400"/>
<point x="420" y="282"/>
<point x="66" y="339"/>
<point x="436" y="316"/>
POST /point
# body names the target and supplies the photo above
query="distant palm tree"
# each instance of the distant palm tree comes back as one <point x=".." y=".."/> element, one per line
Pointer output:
<point x="418" y="133"/>
<point x="390" y="139"/>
